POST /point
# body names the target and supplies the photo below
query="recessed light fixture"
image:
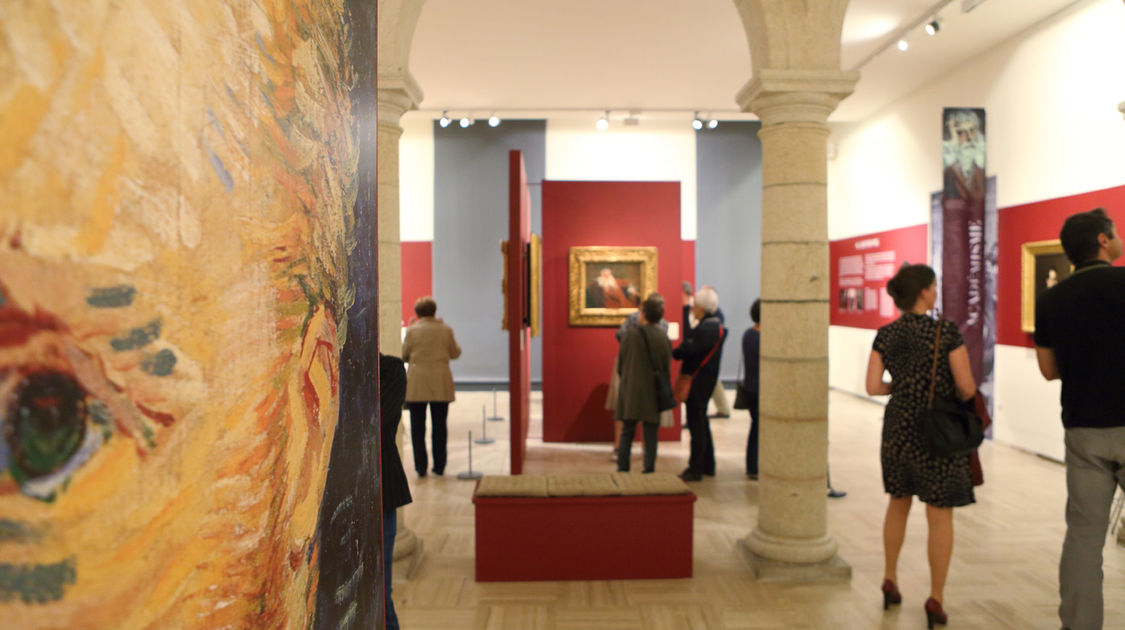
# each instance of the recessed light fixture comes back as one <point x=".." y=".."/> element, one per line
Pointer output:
<point x="902" y="45"/>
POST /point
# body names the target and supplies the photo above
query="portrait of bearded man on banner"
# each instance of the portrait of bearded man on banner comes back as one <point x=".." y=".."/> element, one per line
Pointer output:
<point x="963" y="155"/>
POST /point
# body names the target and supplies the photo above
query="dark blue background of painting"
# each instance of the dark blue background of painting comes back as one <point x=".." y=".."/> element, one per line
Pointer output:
<point x="350" y="590"/>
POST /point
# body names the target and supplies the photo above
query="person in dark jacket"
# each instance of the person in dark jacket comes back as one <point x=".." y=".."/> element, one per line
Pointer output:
<point x="700" y="352"/>
<point x="645" y="355"/>
<point x="751" y="342"/>
<point x="396" y="491"/>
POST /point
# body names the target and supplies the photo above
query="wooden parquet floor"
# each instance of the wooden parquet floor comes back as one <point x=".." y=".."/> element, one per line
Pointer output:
<point x="1003" y="575"/>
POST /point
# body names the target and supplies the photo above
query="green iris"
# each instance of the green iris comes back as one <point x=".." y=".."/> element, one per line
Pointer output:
<point x="45" y="425"/>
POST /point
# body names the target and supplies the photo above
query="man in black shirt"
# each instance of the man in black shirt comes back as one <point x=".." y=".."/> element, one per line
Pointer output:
<point x="1080" y="338"/>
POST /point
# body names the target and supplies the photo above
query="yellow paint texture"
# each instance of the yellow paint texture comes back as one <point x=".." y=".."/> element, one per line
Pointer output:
<point x="202" y="154"/>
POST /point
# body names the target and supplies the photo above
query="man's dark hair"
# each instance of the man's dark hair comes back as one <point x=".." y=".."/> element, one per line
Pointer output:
<point x="1079" y="234"/>
<point x="908" y="284"/>
<point x="756" y="311"/>
<point x="653" y="308"/>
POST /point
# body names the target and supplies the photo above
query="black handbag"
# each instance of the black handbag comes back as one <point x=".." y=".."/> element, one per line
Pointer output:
<point x="663" y="381"/>
<point x="951" y="428"/>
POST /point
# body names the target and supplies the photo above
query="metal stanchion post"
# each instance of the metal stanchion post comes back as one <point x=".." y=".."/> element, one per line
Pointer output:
<point x="484" y="439"/>
<point x="470" y="474"/>
<point x="495" y="417"/>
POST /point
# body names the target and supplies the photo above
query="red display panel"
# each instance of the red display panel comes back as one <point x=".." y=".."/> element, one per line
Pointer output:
<point x="1039" y="221"/>
<point x="577" y="360"/>
<point x="417" y="274"/>
<point x="519" y="334"/>
<point x="860" y="268"/>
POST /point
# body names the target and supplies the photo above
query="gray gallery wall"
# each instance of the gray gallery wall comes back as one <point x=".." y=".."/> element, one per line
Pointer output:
<point x="728" y="246"/>
<point x="470" y="220"/>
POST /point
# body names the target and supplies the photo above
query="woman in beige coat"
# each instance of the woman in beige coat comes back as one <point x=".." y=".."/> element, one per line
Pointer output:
<point x="428" y="348"/>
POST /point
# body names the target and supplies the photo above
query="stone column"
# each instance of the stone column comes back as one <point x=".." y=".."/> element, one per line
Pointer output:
<point x="791" y="540"/>
<point x="397" y="94"/>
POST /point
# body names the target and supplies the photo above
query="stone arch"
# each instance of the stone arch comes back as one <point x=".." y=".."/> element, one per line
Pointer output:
<point x="793" y="34"/>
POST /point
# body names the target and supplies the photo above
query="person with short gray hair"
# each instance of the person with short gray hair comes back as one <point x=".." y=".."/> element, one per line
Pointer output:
<point x="700" y="352"/>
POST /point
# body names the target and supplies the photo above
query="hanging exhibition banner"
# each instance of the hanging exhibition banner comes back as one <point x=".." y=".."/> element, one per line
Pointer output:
<point x="964" y="237"/>
<point x="860" y="268"/>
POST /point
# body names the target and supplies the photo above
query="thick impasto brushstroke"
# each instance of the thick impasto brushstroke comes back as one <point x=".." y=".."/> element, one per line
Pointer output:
<point x="111" y="297"/>
<point x="160" y="364"/>
<point x="35" y="584"/>
<point x="138" y="337"/>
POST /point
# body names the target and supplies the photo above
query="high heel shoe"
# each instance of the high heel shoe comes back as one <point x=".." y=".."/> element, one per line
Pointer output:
<point x="935" y="614"/>
<point x="890" y="594"/>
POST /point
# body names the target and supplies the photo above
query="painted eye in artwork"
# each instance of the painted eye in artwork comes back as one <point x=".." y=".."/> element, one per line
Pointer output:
<point x="47" y="431"/>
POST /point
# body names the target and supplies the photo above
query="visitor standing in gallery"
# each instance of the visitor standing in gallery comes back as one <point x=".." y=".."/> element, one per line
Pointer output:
<point x="718" y="394"/>
<point x="700" y="352"/>
<point x="751" y="342"/>
<point x="1079" y="338"/>
<point x="631" y="321"/>
<point x="396" y="491"/>
<point x="906" y="349"/>
<point x="429" y="346"/>
<point x="644" y="356"/>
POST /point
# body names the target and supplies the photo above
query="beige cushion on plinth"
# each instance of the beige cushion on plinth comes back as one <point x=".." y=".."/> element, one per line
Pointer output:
<point x="512" y="486"/>
<point x="582" y="485"/>
<point x="654" y="483"/>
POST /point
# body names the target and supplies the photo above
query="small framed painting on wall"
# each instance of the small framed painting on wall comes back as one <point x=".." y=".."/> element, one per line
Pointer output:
<point x="608" y="283"/>
<point x="1044" y="264"/>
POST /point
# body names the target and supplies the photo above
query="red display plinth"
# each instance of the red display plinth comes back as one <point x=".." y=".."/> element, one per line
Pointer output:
<point x="525" y="539"/>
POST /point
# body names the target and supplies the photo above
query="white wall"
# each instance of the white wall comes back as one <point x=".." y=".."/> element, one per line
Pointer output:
<point x="416" y="178"/>
<point x="655" y="150"/>
<point x="1053" y="130"/>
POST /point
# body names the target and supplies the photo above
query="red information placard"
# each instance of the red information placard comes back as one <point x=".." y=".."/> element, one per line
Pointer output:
<point x="860" y="268"/>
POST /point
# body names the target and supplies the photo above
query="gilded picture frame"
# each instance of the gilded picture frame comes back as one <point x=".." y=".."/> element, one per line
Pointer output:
<point x="608" y="283"/>
<point x="1043" y="264"/>
<point x="535" y="274"/>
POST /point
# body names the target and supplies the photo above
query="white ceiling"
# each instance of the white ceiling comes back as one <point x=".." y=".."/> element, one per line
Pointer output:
<point x="525" y="58"/>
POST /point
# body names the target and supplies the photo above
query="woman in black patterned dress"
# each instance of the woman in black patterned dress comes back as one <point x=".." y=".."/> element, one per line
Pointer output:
<point x="905" y="348"/>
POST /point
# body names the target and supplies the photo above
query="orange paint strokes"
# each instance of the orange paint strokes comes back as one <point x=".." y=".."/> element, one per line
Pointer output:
<point x="19" y="120"/>
<point x="165" y="419"/>
<point x="104" y="204"/>
<point x="148" y="536"/>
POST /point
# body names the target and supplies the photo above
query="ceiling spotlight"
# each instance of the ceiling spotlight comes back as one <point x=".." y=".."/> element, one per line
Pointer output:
<point x="444" y="120"/>
<point x="465" y="122"/>
<point x="494" y="121"/>
<point x="711" y="124"/>
<point x="933" y="26"/>
<point x="902" y="45"/>
<point x="697" y="122"/>
<point x="603" y="122"/>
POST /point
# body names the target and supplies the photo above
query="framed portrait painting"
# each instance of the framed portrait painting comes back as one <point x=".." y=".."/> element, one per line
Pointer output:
<point x="608" y="283"/>
<point x="1044" y="264"/>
